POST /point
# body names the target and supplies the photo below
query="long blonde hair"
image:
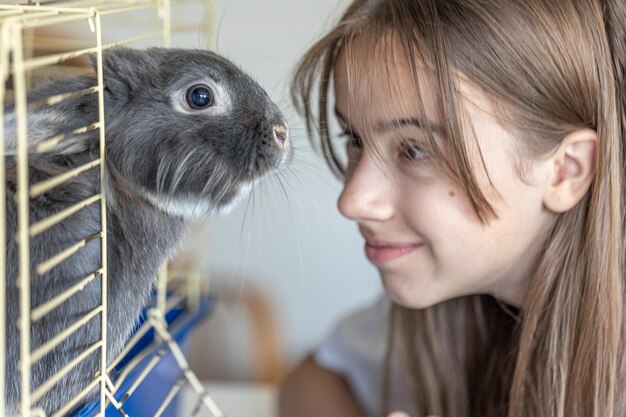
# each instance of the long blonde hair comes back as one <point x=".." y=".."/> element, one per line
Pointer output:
<point x="552" y="67"/>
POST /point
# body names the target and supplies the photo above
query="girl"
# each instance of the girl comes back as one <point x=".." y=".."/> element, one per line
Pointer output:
<point x="485" y="171"/>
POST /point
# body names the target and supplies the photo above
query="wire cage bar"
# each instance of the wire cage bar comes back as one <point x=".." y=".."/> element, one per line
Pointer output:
<point x="4" y="63"/>
<point x="19" y="67"/>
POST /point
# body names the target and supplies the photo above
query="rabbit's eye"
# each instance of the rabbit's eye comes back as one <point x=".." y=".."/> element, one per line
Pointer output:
<point x="199" y="96"/>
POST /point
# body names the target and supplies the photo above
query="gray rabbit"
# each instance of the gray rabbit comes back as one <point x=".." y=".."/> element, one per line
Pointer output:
<point x="187" y="134"/>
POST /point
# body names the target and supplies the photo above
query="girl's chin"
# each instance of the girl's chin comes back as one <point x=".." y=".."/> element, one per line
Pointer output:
<point x="410" y="297"/>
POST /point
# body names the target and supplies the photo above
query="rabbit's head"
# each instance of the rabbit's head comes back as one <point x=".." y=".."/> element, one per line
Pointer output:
<point x="187" y="129"/>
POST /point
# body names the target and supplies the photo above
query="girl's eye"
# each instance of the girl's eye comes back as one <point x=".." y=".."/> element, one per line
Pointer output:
<point x="353" y="140"/>
<point x="410" y="151"/>
<point x="199" y="97"/>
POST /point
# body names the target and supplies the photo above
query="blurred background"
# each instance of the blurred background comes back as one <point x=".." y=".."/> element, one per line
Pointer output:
<point x="285" y="266"/>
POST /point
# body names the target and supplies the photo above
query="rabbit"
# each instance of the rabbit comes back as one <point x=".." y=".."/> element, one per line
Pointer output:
<point x="187" y="135"/>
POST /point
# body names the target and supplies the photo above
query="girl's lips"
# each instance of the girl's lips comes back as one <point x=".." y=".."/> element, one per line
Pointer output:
<point x="383" y="252"/>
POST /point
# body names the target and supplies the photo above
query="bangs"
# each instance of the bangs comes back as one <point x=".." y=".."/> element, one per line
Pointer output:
<point x="379" y="48"/>
<point x="377" y="62"/>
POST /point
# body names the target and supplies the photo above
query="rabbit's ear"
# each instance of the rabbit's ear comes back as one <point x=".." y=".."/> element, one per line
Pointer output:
<point x="42" y="136"/>
<point x="61" y="128"/>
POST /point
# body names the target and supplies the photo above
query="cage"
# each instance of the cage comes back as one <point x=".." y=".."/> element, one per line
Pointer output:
<point x="39" y="41"/>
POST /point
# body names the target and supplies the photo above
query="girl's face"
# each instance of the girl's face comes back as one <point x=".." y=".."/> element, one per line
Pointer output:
<point x="419" y="228"/>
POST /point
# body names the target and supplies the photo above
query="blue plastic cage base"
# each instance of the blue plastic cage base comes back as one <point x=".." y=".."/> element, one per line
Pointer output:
<point x="150" y="394"/>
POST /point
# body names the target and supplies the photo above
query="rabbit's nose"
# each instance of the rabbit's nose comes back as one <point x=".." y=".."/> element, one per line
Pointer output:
<point x="281" y="135"/>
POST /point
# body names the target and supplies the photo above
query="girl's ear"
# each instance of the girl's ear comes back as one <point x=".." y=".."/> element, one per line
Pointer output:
<point x="573" y="167"/>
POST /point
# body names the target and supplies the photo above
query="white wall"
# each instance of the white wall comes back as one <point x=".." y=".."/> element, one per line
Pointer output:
<point x="294" y="246"/>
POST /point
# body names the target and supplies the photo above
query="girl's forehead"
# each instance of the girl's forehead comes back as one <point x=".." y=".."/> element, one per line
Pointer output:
<point x="370" y="82"/>
<point x="375" y="82"/>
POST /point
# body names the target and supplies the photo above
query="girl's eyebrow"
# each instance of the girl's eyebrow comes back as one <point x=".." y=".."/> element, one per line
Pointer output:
<point x="398" y="123"/>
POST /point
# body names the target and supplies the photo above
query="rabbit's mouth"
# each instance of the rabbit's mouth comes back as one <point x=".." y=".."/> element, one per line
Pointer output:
<point x="270" y="150"/>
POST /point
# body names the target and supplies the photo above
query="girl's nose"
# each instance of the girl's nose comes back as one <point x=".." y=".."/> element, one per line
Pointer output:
<point x="367" y="192"/>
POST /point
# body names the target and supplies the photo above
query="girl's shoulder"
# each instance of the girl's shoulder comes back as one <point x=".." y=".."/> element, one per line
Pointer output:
<point x="361" y="332"/>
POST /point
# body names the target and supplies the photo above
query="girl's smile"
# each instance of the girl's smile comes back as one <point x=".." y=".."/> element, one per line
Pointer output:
<point x="380" y="252"/>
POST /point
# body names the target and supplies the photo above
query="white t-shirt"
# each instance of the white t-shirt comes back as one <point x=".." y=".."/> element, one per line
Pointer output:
<point x="356" y="349"/>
